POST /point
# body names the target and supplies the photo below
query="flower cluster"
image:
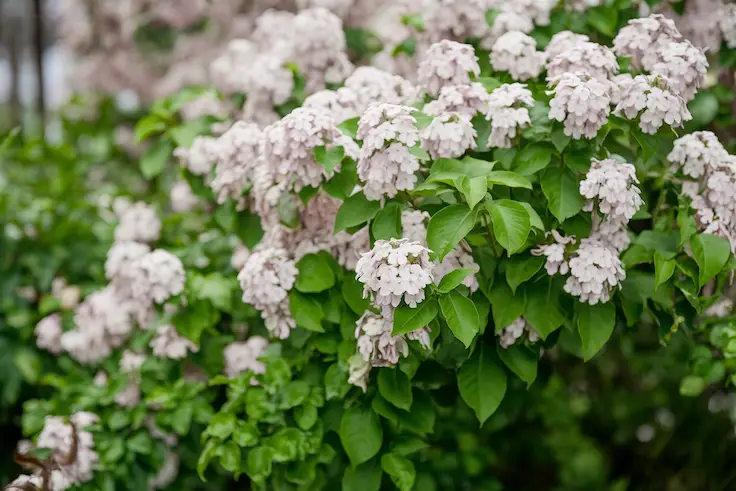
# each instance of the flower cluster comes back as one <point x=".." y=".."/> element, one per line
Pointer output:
<point x="395" y="269"/>
<point x="508" y="112"/>
<point x="449" y="135"/>
<point x="516" y="53"/>
<point x="510" y="334"/>
<point x="650" y="98"/>
<point x="684" y="65"/>
<point x="236" y="157"/>
<point x="698" y="153"/>
<point x="386" y="164"/>
<point x="447" y="63"/>
<point x="467" y="100"/>
<point x="596" y="60"/>
<point x="581" y="102"/>
<point x="595" y="270"/>
<point x="610" y="186"/>
<point x="642" y="38"/>
<point x="555" y="254"/>
<point x="242" y="356"/>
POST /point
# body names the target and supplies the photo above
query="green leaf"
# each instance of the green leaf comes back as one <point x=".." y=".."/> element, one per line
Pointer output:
<point x="341" y="184"/>
<point x="349" y="127"/>
<point x="407" y="319"/>
<point x="453" y="279"/>
<point x="288" y="212"/>
<point x="306" y="311"/>
<point x="533" y="158"/>
<point x="294" y="394"/>
<point x="395" y="387"/>
<point x="508" y="178"/>
<point x="407" y="445"/>
<point x="468" y="166"/>
<point x="522" y="360"/>
<point x="153" y="160"/>
<point x="521" y="269"/>
<point x="229" y="454"/>
<point x="204" y="458"/>
<point x="543" y="309"/>
<point x="260" y="463"/>
<point x="185" y="134"/>
<point x="603" y="19"/>
<point x="355" y="211"/>
<point x="704" y="109"/>
<point x="711" y="253"/>
<point x="28" y="363"/>
<point x="400" y="469"/>
<point x="663" y="268"/>
<point x="336" y="382"/>
<point x="692" y="386"/>
<point x="365" y="477"/>
<point x="534" y="219"/>
<point x="419" y="152"/>
<point x="562" y="190"/>
<point x="387" y="224"/>
<point x="245" y="434"/>
<point x="461" y="316"/>
<point x="149" y="126"/>
<point x="361" y="434"/>
<point x="482" y="383"/>
<point x="686" y="224"/>
<point x="559" y="139"/>
<point x="511" y="223"/>
<point x="416" y="21"/>
<point x="315" y="274"/>
<point x="329" y="159"/>
<point x="473" y="188"/>
<point x="448" y="227"/>
<point x="595" y="326"/>
<point x="506" y="306"/>
<point x="222" y="425"/>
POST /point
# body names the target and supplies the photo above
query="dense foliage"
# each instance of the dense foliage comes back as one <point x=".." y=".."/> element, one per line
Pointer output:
<point x="502" y="261"/>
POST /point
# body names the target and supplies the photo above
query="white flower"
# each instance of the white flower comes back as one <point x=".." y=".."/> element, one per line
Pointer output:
<point x="516" y="53"/>
<point x="721" y="308"/>
<point x="642" y="38"/>
<point x="727" y="23"/>
<point x="182" y="198"/>
<point x="138" y="223"/>
<point x="563" y="41"/>
<point x="537" y="10"/>
<point x="507" y="113"/>
<point x="612" y="185"/>
<point x="207" y="104"/>
<point x="158" y="275"/>
<point x="242" y="356"/>
<point x="555" y="254"/>
<point x="57" y="435"/>
<point x="507" y="20"/>
<point x="48" y="333"/>
<point x="267" y="277"/>
<point x="238" y="155"/>
<point x="395" y="269"/>
<point x="455" y="19"/>
<point x="514" y="331"/>
<point x="595" y="270"/>
<point x="288" y="146"/>
<point x="598" y="61"/>
<point x="614" y="232"/>
<point x="468" y="100"/>
<point x="698" y="153"/>
<point x="649" y="97"/>
<point x="449" y="135"/>
<point x="121" y="256"/>
<point x="131" y="361"/>
<point x="582" y="102"/>
<point x="684" y="65"/>
<point x="386" y="165"/>
<point x="447" y="63"/>
<point x="372" y="85"/>
<point x="458" y="258"/>
<point x="168" y="343"/>
<point x="413" y="227"/>
<point x="200" y="156"/>
<point x="342" y="104"/>
<point x="376" y="344"/>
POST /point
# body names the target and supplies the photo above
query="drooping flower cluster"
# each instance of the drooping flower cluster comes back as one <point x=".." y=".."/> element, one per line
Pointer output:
<point x="596" y="60"/>
<point x="701" y="157"/>
<point x="386" y="164"/>
<point x="158" y="275"/>
<point x="236" y="157"/>
<point x="393" y="270"/>
<point x="510" y="334"/>
<point x="242" y="356"/>
<point x="555" y="254"/>
<point x="371" y="85"/>
<point x="447" y="63"/>
<point x="516" y="53"/>
<point x="642" y="38"/>
<point x="467" y="100"/>
<point x="595" y="270"/>
<point x="58" y="435"/>
<point x="48" y="333"/>
<point x="138" y="223"/>
<point x="684" y="65"/>
<point x="200" y="156"/>
<point x="651" y="99"/>
<point x="449" y="135"/>
<point x="508" y="112"/>
<point x="581" y="102"/>
<point x="266" y="279"/>
<point x="611" y="187"/>
<point x="168" y="343"/>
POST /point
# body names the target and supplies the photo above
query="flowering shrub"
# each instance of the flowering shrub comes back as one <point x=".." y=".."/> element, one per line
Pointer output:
<point x="335" y="282"/>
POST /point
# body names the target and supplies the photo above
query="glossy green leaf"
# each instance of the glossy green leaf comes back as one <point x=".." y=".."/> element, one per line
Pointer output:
<point x="307" y="312"/>
<point x="315" y="274"/>
<point x="482" y="383"/>
<point x="407" y="319"/>
<point x="453" y="279"/>
<point x="387" y="224"/>
<point x="356" y="210"/>
<point x="395" y="387"/>
<point x="461" y="316"/>
<point x="511" y="223"/>
<point x="521" y="269"/>
<point x="400" y="469"/>
<point x="154" y="159"/>
<point x="711" y="253"/>
<point x="663" y="268"/>
<point x="361" y="434"/>
<point x="522" y="360"/>
<point x="448" y="227"/>
<point x="507" y="178"/>
<point x="595" y="326"/>
<point x="562" y="190"/>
